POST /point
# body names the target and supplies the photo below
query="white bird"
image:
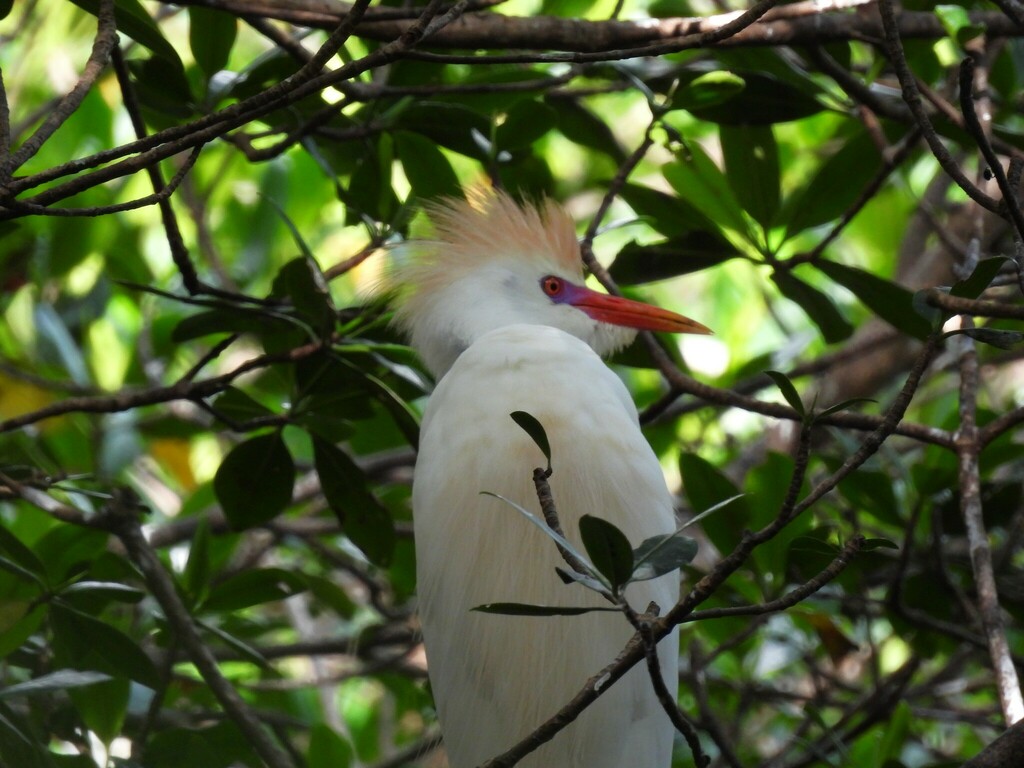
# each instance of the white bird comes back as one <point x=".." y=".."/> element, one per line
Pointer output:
<point x="496" y="307"/>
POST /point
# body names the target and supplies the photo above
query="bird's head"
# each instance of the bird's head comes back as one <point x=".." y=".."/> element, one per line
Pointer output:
<point x="493" y="263"/>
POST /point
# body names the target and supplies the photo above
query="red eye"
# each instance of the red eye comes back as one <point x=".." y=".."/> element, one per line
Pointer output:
<point x="552" y="285"/>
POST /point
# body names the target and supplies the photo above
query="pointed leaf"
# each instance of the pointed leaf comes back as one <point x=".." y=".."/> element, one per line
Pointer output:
<point x="983" y="274"/>
<point x="529" y="424"/>
<point x="84" y="642"/>
<point x="254" y="482"/>
<point x="683" y="254"/>
<point x="668" y="214"/>
<point x="996" y="337"/>
<point x="54" y="681"/>
<point x="707" y="90"/>
<point x="845" y="405"/>
<point x="553" y="535"/>
<point x="697" y="179"/>
<point x="788" y="390"/>
<point x="659" y="555"/>
<point x="524" y="609"/>
<point x="211" y="34"/>
<point x="891" y="302"/>
<point x="427" y="169"/>
<point x="819" y="307"/>
<point x="706" y="486"/>
<point x="608" y="548"/>
<point x="752" y="168"/>
<point x="363" y="518"/>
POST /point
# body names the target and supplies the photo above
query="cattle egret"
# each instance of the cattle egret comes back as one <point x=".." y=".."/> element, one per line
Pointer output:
<point x="496" y="307"/>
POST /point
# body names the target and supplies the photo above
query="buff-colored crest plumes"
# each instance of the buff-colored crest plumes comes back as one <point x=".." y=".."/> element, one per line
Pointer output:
<point x="490" y="224"/>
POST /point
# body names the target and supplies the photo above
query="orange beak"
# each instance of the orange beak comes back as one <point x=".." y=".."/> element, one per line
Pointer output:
<point x="632" y="314"/>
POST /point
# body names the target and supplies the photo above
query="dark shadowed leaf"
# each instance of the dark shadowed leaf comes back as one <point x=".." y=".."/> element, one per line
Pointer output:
<point x="133" y="20"/>
<point x="843" y="406"/>
<point x="705" y="486"/>
<point x="238" y="406"/>
<point x="526" y="122"/>
<point x="608" y="548"/>
<point x="83" y="642"/>
<point x="19" y="554"/>
<point x="302" y="281"/>
<point x="834" y="188"/>
<point x="254" y="482"/>
<point x="983" y="274"/>
<point x="233" y="320"/>
<point x="819" y="307"/>
<point x="427" y="169"/>
<point x="364" y="520"/>
<point x="878" y="543"/>
<point x="211" y="34"/>
<point x="529" y="424"/>
<point x="450" y="125"/>
<point x="580" y="125"/>
<point x="752" y="168"/>
<point x="106" y="590"/>
<point x="707" y="90"/>
<point x="54" y="681"/>
<point x="996" y="337"/>
<point x="891" y="302"/>
<point x="523" y="609"/>
<point x="248" y="588"/>
<point x="668" y="214"/>
<point x="765" y="100"/>
<point x="659" y="555"/>
<point x="683" y="254"/>
<point x="788" y="390"/>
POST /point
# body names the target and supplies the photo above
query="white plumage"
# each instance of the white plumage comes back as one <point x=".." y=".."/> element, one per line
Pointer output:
<point x="476" y="306"/>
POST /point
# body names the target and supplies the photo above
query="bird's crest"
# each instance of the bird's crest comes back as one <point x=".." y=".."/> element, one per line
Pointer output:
<point x="489" y="224"/>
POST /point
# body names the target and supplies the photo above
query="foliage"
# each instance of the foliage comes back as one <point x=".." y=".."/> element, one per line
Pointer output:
<point x="207" y="428"/>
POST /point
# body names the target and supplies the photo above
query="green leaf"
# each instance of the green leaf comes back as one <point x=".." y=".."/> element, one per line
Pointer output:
<point x="238" y="406"/>
<point x="825" y="198"/>
<point x="132" y="20"/>
<point x="659" y="555"/>
<point x="108" y="590"/>
<point x="450" y="125"/>
<point x="752" y="168"/>
<point x="526" y="122"/>
<point x="162" y="86"/>
<point x="254" y="482"/>
<point x="211" y="34"/>
<point x="996" y="337"/>
<point x="103" y="707"/>
<point x="819" y="307"/>
<point x="973" y="286"/>
<point x="697" y="179"/>
<point x="879" y="543"/>
<point x="580" y="125"/>
<point x="707" y="90"/>
<point x="670" y="215"/>
<point x="427" y="169"/>
<point x="302" y="281"/>
<point x="843" y="406"/>
<point x="681" y="255"/>
<point x="763" y="101"/>
<point x="608" y="548"/>
<point x="891" y="302"/>
<point x="327" y="749"/>
<point x="553" y="535"/>
<point x="196" y="577"/>
<point x="83" y="642"/>
<point x="529" y="424"/>
<point x="957" y="23"/>
<point x="364" y="520"/>
<point x="21" y="556"/>
<point x="228" y="320"/>
<point x="524" y="609"/>
<point x="705" y="486"/>
<point x="5" y="8"/>
<point x="788" y="391"/>
<point x="54" y="681"/>
<point x="255" y="587"/>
